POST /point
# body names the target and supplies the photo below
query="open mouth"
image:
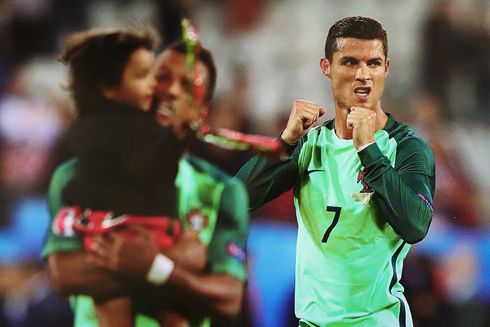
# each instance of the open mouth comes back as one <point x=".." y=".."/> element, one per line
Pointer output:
<point x="165" y="108"/>
<point x="363" y="92"/>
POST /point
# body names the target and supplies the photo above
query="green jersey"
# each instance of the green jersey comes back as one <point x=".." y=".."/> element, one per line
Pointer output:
<point x="209" y="200"/>
<point x="357" y="215"/>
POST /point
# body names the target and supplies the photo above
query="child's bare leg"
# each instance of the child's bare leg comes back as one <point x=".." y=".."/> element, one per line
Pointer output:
<point x="115" y="312"/>
<point x="168" y="318"/>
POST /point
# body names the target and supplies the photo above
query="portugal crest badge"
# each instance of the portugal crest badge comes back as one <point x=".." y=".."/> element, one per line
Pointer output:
<point x="366" y="194"/>
<point x="196" y="220"/>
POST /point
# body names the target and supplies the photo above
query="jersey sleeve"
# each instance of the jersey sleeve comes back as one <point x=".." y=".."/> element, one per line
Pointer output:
<point x="65" y="239"/>
<point x="405" y="191"/>
<point x="267" y="178"/>
<point x="227" y="248"/>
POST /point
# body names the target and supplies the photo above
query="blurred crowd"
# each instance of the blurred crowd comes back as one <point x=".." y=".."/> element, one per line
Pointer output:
<point x="267" y="54"/>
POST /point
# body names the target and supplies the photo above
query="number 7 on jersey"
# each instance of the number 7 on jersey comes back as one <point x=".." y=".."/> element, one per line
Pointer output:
<point x="334" y="222"/>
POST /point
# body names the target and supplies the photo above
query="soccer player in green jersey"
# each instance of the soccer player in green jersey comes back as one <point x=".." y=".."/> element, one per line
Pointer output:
<point x="363" y="188"/>
<point x="211" y="205"/>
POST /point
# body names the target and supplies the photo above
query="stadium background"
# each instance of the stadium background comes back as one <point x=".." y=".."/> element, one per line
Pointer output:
<point x="267" y="54"/>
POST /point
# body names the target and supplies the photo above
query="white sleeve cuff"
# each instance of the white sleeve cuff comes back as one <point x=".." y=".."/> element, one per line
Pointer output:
<point x="160" y="270"/>
<point x="364" y="146"/>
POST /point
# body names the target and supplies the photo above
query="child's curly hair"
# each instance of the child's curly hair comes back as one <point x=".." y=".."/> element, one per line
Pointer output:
<point x="97" y="57"/>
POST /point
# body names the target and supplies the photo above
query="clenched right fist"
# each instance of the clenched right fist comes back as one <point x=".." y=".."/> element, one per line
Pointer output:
<point x="303" y="115"/>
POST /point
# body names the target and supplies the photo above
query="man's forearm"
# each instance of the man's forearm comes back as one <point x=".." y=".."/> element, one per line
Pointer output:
<point x="266" y="179"/>
<point x="218" y="295"/>
<point x="405" y="199"/>
<point x="72" y="273"/>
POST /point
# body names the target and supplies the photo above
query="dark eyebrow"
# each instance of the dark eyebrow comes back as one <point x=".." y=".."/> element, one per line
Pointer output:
<point x="376" y="59"/>
<point x="349" y="59"/>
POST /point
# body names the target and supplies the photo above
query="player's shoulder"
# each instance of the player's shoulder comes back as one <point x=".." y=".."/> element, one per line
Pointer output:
<point x="408" y="142"/>
<point x="65" y="171"/>
<point x="327" y="125"/>
<point x="203" y="166"/>
<point x="404" y="134"/>
<point x="60" y="178"/>
<point x="316" y="131"/>
<point x="218" y="174"/>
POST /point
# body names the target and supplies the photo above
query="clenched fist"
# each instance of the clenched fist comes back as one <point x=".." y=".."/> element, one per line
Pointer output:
<point x="303" y="115"/>
<point x="363" y="123"/>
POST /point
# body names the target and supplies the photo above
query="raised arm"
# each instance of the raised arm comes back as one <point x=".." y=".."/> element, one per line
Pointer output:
<point x="404" y="192"/>
<point x="265" y="178"/>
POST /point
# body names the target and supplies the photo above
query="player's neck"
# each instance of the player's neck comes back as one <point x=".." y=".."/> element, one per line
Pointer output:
<point x="341" y="129"/>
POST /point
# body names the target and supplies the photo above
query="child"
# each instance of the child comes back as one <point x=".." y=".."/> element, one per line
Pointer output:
<point x="127" y="161"/>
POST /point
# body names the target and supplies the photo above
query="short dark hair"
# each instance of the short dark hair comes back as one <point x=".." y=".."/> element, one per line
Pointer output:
<point x="97" y="57"/>
<point x="206" y="57"/>
<point x="358" y="27"/>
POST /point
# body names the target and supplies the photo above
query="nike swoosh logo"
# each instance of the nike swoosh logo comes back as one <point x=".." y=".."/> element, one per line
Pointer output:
<point x="314" y="171"/>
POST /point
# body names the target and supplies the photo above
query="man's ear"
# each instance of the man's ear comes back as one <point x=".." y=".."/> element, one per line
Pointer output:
<point x="387" y="66"/>
<point x="325" y="66"/>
